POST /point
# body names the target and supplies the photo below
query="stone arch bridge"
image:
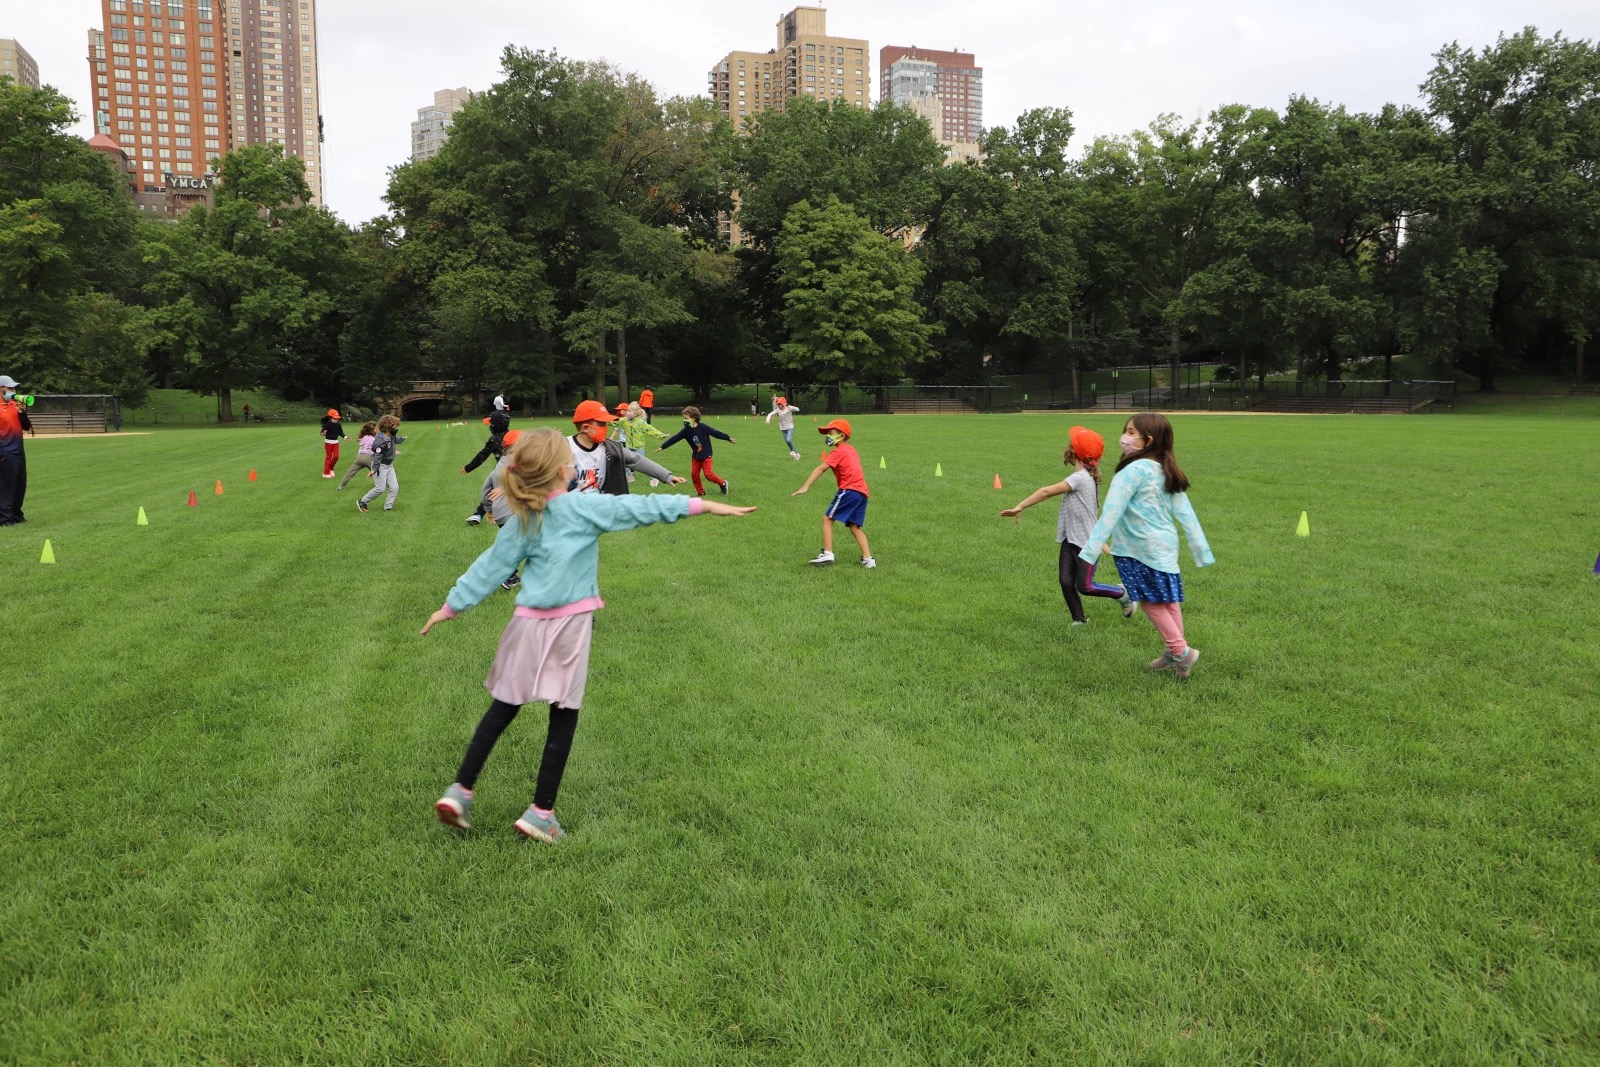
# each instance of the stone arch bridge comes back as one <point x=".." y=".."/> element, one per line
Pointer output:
<point x="423" y="401"/>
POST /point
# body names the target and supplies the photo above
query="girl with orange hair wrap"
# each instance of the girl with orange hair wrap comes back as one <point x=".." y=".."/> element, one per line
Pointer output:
<point x="1079" y="507"/>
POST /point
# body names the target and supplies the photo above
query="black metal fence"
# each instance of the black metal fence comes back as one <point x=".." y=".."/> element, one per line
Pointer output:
<point x="76" y="413"/>
<point x="1143" y="391"/>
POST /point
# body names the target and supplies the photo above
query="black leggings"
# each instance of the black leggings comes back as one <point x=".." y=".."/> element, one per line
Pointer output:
<point x="557" y="744"/>
<point x="1078" y="577"/>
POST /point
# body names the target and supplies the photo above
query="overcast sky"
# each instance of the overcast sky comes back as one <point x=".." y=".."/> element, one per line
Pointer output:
<point x="1115" y="65"/>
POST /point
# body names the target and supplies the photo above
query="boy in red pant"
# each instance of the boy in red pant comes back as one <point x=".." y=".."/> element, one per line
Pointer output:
<point x="850" y="502"/>
<point x="699" y="437"/>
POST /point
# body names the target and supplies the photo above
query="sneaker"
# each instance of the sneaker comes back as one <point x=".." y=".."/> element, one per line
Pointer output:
<point x="327" y="476"/>
<point x="361" y="505"/>
<point x="794" y="455"/>
<point x="1185" y="663"/>
<point x="1080" y="622"/>
<point x="511" y="582"/>
<point x="542" y="827"/>
<point x="654" y="482"/>
<point x="1164" y="662"/>
<point x="455" y="806"/>
<point x="724" y="487"/>
<point x="869" y="563"/>
<point x="474" y="519"/>
<point x="1129" y="606"/>
<point x="822" y="559"/>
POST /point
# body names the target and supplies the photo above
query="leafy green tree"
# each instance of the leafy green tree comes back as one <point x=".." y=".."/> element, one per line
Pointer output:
<point x="1512" y="249"/>
<point x="235" y="283"/>
<point x="68" y="254"/>
<point x="849" y="297"/>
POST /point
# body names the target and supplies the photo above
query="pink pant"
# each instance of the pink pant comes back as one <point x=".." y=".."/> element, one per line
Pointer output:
<point x="1168" y="621"/>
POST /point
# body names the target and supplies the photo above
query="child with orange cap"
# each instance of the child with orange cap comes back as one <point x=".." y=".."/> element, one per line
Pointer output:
<point x="786" y="413"/>
<point x="332" y="434"/>
<point x="1079" y="509"/>
<point x="600" y="462"/>
<point x="850" y="502"/>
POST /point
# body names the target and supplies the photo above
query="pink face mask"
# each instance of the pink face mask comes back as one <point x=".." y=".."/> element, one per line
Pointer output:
<point x="1129" y="443"/>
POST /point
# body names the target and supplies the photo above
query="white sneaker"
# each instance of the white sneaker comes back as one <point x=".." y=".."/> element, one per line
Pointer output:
<point x="794" y="455"/>
<point x="823" y="559"/>
<point x="869" y="563"/>
<point x="474" y="519"/>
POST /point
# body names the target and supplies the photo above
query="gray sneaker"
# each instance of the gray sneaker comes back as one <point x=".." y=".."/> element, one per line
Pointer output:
<point x="540" y="827"/>
<point x="1129" y="606"/>
<point x="1185" y="663"/>
<point x="455" y="807"/>
<point x="1164" y="662"/>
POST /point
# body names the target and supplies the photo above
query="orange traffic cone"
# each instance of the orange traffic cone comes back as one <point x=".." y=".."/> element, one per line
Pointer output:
<point x="219" y="486"/>
<point x="997" y="481"/>
<point x="252" y="474"/>
<point x="193" y="503"/>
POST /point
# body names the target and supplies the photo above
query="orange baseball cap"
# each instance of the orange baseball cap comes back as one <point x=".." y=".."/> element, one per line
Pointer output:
<point x="334" y="414"/>
<point x="592" y="411"/>
<point x="1086" y="444"/>
<point x="837" y="424"/>
<point x="511" y="437"/>
<point x="782" y="399"/>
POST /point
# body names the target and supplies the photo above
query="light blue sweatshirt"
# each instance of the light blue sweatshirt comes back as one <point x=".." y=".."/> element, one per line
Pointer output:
<point x="563" y="551"/>
<point x="1141" y="519"/>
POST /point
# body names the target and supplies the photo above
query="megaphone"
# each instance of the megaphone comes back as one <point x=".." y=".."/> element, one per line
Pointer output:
<point x="27" y="401"/>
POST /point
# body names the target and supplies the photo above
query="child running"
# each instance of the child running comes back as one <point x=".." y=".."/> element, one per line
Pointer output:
<point x="544" y="652"/>
<point x="383" y="476"/>
<point x="332" y="434"/>
<point x="1146" y="503"/>
<point x="699" y="436"/>
<point x="493" y="500"/>
<point x="786" y="414"/>
<point x="1079" y="495"/>
<point x="363" y="453"/>
<point x="499" y="423"/>
<point x="850" y="502"/>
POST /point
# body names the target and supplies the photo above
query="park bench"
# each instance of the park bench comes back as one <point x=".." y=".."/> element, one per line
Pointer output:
<point x="68" y="422"/>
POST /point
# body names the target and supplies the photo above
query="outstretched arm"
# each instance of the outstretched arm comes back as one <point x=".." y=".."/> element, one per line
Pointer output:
<point x="674" y="439"/>
<point x="1036" y="497"/>
<point x="814" y="476"/>
<point x="714" y="432"/>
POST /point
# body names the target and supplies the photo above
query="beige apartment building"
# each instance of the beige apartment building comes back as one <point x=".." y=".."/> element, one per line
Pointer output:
<point x="805" y="61"/>
<point x="953" y="77"/>
<point x="432" y="128"/>
<point x="178" y="83"/>
<point x="17" y="64"/>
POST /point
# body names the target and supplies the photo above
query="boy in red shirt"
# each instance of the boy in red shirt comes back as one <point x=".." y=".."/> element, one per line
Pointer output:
<point x="850" y="502"/>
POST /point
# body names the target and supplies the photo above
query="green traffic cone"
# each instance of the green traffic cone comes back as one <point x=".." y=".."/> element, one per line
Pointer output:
<point x="49" y="555"/>
<point x="1304" y="529"/>
<point x="882" y="465"/>
<point x="141" y="520"/>
<point x="938" y="471"/>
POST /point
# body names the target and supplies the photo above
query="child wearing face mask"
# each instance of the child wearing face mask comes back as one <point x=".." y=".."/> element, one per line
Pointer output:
<point x="1147" y="502"/>
<point x="544" y="652"/>
<point x="601" y="462"/>
<point x="699" y="436"/>
<point x="850" y="502"/>
<point x="1079" y="495"/>
<point x="786" y="413"/>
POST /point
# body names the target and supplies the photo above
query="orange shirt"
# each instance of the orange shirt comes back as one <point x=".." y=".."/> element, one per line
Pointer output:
<point x="846" y="464"/>
<point x="647" y="399"/>
<point x="11" y="416"/>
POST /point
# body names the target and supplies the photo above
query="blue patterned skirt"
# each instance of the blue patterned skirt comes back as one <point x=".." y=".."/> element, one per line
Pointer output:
<point x="1148" y="585"/>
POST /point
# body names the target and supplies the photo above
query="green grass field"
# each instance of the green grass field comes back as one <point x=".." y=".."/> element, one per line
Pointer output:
<point x="815" y="816"/>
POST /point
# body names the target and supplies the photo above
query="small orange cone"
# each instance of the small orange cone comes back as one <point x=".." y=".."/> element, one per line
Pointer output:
<point x="219" y="486"/>
<point x="193" y="503"/>
<point x="997" y="481"/>
<point x="252" y="474"/>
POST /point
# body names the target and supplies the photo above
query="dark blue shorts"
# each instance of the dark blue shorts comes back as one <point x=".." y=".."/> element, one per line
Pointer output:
<point x="848" y="507"/>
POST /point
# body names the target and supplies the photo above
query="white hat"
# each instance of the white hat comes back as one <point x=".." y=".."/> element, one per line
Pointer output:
<point x="7" y="382"/>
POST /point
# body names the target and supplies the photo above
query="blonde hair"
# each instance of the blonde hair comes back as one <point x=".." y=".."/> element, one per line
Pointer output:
<point x="534" y="472"/>
<point x="634" y="410"/>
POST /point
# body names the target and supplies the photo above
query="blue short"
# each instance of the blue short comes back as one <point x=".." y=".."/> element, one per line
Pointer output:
<point x="848" y="507"/>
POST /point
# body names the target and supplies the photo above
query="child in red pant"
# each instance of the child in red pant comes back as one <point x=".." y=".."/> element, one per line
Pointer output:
<point x="332" y="434"/>
<point x="699" y="437"/>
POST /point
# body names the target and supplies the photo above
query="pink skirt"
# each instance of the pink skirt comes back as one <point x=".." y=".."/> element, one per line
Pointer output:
<point x="543" y="661"/>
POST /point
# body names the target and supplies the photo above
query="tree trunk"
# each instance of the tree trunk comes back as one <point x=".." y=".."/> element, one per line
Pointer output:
<point x="600" y="368"/>
<point x="622" y="365"/>
<point x="834" y="401"/>
<point x="1072" y="361"/>
<point x="1173" y="339"/>
<point x="547" y="371"/>
<point x="1577" y="364"/>
<point x="224" y="404"/>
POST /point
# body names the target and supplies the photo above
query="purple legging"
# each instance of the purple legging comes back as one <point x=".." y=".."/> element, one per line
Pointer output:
<point x="1078" y="577"/>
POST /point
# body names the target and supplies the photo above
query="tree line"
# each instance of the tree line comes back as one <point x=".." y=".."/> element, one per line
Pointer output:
<point x="572" y="236"/>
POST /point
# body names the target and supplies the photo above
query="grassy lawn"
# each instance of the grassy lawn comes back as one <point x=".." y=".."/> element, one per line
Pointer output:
<point x="815" y="816"/>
